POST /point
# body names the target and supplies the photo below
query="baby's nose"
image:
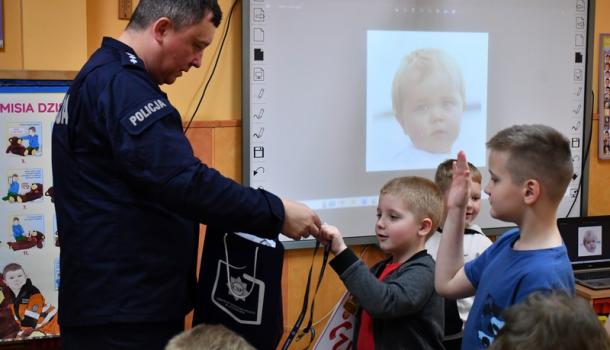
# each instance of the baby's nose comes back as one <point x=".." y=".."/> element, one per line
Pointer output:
<point x="437" y="114"/>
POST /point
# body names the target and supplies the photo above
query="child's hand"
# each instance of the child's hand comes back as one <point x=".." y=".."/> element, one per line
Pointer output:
<point x="336" y="244"/>
<point x="457" y="197"/>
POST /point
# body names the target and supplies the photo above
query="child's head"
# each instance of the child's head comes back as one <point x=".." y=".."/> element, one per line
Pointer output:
<point x="443" y="178"/>
<point x="14" y="277"/>
<point x="15" y="177"/>
<point x="208" y="337"/>
<point x="409" y="209"/>
<point x="428" y="99"/>
<point x="528" y="164"/>
<point x="15" y="220"/>
<point x="32" y="130"/>
<point x="549" y="322"/>
<point x="589" y="241"/>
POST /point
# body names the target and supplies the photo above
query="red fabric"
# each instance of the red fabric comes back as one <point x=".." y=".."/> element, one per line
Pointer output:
<point x="365" y="333"/>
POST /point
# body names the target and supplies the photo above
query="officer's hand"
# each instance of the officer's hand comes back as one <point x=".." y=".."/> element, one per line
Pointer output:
<point x="299" y="220"/>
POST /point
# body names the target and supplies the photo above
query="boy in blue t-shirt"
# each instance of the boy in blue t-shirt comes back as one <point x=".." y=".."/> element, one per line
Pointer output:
<point x="530" y="168"/>
<point x="32" y="139"/>
<point x="18" y="230"/>
<point x="13" y="189"/>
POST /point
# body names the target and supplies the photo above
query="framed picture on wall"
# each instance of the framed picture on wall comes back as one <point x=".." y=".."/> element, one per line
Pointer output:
<point x="604" y="96"/>
<point x="1" y="25"/>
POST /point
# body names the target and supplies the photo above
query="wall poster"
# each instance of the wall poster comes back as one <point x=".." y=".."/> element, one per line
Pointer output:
<point x="29" y="254"/>
<point x="604" y="96"/>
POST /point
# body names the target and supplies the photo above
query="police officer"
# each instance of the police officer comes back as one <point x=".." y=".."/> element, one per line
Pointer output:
<point x="129" y="191"/>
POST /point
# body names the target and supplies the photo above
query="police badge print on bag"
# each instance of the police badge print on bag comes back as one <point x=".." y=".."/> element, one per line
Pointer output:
<point x="238" y="292"/>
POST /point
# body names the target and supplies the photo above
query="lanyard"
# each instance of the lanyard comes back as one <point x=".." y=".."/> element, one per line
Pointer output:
<point x="308" y="329"/>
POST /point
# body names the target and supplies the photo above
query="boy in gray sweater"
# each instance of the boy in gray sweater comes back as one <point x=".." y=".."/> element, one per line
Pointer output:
<point x="398" y="307"/>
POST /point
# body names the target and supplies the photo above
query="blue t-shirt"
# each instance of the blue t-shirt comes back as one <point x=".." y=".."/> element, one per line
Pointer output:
<point x="503" y="276"/>
<point x="32" y="140"/>
<point x="14" y="187"/>
<point x="17" y="231"/>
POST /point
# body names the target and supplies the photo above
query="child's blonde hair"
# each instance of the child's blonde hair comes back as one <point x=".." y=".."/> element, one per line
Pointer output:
<point x="536" y="152"/>
<point x="420" y="64"/>
<point x="208" y="337"/>
<point x="444" y="174"/>
<point x="420" y="195"/>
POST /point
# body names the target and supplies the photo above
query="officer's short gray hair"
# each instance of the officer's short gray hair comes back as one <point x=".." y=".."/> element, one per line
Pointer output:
<point x="182" y="13"/>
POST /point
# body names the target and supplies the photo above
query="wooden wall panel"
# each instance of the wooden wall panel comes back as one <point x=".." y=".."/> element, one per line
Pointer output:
<point x="599" y="170"/>
<point x="54" y="34"/>
<point x="11" y="56"/>
<point x="227" y="151"/>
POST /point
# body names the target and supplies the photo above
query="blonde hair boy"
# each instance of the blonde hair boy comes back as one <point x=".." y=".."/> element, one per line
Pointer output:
<point x="208" y="337"/>
<point x="444" y="174"/>
<point x="428" y="99"/>
<point x="530" y="168"/>
<point x="398" y="307"/>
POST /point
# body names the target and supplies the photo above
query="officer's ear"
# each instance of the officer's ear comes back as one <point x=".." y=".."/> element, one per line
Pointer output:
<point x="161" y="27"/>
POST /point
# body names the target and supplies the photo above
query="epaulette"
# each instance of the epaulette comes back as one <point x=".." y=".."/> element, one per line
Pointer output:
<point x="129" y="59"/>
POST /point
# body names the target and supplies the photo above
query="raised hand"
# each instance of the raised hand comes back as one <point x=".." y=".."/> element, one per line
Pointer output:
<point x="460" y="185"/>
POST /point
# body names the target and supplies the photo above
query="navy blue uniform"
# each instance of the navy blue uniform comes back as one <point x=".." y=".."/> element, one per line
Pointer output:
<point x="129" y="193"/>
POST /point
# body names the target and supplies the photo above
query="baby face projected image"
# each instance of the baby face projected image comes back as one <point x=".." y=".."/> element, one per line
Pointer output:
<point x="429" y="99"/>
<point x="589" y="241"/>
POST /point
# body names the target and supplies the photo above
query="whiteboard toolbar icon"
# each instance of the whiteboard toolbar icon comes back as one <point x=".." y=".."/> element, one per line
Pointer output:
<point x="259" y="152"/>
<point x="259" y="74"/>
<point x="258" y="34"/>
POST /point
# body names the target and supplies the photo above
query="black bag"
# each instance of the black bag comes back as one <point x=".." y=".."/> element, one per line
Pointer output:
<point x="240" y="286"/>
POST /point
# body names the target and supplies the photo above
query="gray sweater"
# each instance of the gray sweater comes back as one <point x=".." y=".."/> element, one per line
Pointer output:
<point x="406" y="311"/>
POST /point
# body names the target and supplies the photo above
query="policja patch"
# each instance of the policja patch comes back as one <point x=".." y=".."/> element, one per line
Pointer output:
<point x="145" y="115"/>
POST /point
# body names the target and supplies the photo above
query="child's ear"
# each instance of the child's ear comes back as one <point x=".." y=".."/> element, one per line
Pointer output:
<point x="425" y="227"/>
<point x="531" y="191"/>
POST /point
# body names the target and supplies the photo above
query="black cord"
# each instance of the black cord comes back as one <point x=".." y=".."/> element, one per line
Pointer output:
<point x="222" y="44"/>
<point x="584" y="159"/>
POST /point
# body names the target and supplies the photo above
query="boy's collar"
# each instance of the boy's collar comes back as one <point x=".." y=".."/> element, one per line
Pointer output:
<point x="471" y="229"/>
<point x="413" y="257"/>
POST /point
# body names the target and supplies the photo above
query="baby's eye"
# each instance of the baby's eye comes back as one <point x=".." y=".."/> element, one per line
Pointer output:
<point x="422" y="108"/>
<point x="447" y="104"/>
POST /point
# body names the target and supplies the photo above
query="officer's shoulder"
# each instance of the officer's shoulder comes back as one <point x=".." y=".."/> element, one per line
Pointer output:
<point x="130" y="61"/>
